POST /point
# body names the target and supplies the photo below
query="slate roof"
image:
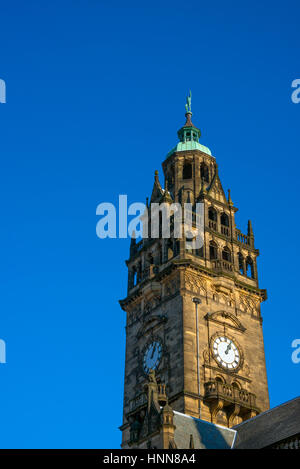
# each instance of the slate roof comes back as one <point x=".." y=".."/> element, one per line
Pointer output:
<point x="269" y="427"/>
<point x="205" y="435"/>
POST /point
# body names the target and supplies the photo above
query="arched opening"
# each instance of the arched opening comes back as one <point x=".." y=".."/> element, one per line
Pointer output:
<point x="212" y="218"/>
<point x="224" y="219"/>
<point x="225" y="224"/>
<point x="213" y="251"/>
<point x="236" y="385"/>
<point x="204" y="173"/>
<point x="187" y="171"/>
<point x="212" y="214"/>
<point x="220" y="380"/>
<point x="134" y="277"/>
<point x="226" y="254"/>
<point x="241" y="263"/>
<point x="249" y="267"/>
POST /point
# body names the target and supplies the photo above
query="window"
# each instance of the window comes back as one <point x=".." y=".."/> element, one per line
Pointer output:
<point x="224" y="219"/>
<point x="241" y="264"/>
<point x="187" y="171"/>
<point x="204" y="173"/>
<point x="212" y="214"/>
<point x="226" y="254"/>
<point x="134" y="277"/>
<point x="249" y="267"/>
<point x="213" y="250"/>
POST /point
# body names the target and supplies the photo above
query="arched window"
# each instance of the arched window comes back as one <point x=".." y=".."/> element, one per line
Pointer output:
<point x="249" y="267"/>
<point x="212" y="214"/>
<point x="212" y="218"/>
<point x="188" y="136"/>
<point x="213" y="250"/>
<point x="187" y="171"/>
<point x="220" y="381"/>
<point x="225" y="224"/>
<point x="204" y="173"/>
<point x="236" y="385"/>
<point x="241" y="264"/>
<point x="224" y="219"/>
<point x="226" y="254"/>
<point x="134" y="277"/>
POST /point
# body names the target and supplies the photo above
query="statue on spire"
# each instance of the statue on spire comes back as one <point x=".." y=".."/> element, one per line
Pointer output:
<point x="188" y="106"/>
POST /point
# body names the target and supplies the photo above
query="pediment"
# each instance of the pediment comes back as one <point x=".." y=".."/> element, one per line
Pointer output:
<point x="216" y="190"/>
<point x="226" y="319"/>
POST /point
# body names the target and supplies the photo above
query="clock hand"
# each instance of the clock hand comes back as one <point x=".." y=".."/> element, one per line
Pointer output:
<point x="228" y="348"/>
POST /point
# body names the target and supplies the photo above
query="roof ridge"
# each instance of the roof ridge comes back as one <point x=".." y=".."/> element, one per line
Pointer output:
<point x="267" y="411"/>
<point x="204" y="421"/>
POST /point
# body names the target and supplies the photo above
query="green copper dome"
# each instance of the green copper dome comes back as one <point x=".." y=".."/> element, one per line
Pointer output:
<point x="184" y="146"/>
<point x="189" y="134"/>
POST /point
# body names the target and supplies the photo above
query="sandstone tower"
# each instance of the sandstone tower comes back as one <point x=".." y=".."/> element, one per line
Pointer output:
<point x="193" y="317"/>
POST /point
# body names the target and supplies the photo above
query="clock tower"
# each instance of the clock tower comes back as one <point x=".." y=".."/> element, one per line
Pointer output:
<point x="193" y="316"/>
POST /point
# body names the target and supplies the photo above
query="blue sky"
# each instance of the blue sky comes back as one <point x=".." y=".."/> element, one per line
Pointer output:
<point x="95" y="95"/>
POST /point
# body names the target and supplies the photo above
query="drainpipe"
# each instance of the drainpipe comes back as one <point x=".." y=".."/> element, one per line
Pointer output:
<point x="197" y="301"/>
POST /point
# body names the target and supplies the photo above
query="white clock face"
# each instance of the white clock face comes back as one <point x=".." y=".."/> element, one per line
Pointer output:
<point x="152" y="356"/>
<point x="226" y="353"/>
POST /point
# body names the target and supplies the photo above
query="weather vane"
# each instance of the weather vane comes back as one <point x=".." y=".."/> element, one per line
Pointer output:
<point x="188" y="106"/>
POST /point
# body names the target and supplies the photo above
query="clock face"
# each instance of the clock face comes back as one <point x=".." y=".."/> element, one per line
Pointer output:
<point x="152" y="356"/>
<point x="226" y="353"/>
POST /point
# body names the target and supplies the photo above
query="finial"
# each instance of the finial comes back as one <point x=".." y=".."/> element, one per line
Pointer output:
<point x="250" y="229"/>
<point x="229" y="198"/>
<point x="188" y="106"/>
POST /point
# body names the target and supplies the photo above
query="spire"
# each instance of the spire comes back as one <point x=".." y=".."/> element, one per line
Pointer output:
<point x="250" y="229"/>
<point x="229" y="198"/>
<point x="157" y="191"/>
<point x="189" y="133"/>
